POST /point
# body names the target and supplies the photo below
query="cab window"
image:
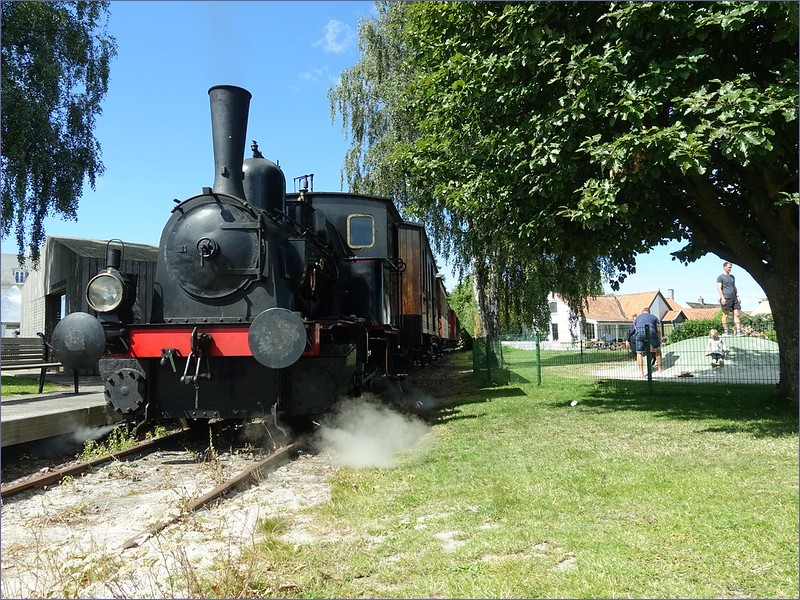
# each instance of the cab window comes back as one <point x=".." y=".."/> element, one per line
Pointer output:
<point x="360" y="231"/>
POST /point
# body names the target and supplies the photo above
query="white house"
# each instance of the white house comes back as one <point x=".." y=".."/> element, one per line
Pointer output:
<point x="608" y="318"/>
<point x="12" y="281"/>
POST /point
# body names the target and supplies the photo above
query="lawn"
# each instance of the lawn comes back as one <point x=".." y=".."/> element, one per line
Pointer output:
<point x="565" y="489"/>
<point x="13" y="385"/>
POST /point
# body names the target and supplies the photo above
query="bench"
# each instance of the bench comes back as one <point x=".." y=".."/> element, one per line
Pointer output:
<point x="29" y="353"/>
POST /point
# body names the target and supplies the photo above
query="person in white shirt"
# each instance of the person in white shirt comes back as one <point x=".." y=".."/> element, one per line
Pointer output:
<point x="716" y="348"/>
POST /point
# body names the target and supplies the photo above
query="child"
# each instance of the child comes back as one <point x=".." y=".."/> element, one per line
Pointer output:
<point x="716" y="348"/>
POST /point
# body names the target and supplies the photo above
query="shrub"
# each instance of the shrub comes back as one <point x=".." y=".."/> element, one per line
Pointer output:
<point x="694" y="328"/>
<point x="759" y="325"/>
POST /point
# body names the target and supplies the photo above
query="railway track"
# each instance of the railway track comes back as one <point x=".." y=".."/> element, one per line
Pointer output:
<point x="45" y="479"/>
<point x="143" y="515"/>
<point x="252" y="473"/>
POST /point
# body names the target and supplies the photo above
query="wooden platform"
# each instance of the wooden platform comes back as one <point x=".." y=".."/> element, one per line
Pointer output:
<point x="38" y="416"/>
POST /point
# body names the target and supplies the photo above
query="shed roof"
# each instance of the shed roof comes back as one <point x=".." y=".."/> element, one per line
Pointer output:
<point x="97" y="248"/>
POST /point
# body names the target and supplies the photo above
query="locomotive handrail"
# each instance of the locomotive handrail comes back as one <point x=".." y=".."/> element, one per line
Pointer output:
<point x="400" y="267"/>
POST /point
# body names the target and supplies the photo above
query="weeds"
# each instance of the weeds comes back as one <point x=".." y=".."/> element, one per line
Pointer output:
<point x="117" y="440"/>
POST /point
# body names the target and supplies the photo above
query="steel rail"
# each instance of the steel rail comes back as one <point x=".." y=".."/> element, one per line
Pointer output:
<point x="250" y="474"/>
<point x="56" y="476"/>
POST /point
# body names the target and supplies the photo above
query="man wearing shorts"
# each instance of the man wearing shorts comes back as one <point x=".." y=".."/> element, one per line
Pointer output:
<point x="729" y="299"/>
<point x="654" y="331"/>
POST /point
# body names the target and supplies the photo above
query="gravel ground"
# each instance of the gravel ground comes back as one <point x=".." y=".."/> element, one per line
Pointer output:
<point x="67" y="541"/>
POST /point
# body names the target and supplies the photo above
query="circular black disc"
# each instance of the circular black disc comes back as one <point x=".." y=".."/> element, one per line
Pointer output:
<point x="78" y="340"/>
<point x="277" y="338"/>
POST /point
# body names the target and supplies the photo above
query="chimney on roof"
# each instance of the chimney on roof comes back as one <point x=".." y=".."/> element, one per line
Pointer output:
<point x="700" y="300"/>
<point x="671" y="294"/>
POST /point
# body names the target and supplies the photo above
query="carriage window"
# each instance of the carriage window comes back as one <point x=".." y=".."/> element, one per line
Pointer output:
<point x="360" y="231"/>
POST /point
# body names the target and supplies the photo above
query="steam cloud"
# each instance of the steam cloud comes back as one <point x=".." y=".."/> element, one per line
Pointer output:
<point x="364" y="434"/>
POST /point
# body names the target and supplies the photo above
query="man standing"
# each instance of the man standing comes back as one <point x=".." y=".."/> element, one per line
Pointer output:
<point x="654" y="326"/>
<point x="729" y="299"/>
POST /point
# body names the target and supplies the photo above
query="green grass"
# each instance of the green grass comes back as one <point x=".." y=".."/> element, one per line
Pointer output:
<point x="13" y="385"/>
<point x="689" y="491"/>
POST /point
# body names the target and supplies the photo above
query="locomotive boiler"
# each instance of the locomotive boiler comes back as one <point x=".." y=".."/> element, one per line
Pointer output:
<point x="263" y="302"/>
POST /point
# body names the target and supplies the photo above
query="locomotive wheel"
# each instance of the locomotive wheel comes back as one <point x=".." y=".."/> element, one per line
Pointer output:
<point x="125" y="391"/>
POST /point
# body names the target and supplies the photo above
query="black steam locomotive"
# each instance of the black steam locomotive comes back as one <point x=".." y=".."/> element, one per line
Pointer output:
<point x="263" y="302"/>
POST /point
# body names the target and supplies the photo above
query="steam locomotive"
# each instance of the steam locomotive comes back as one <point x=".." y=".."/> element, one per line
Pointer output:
<point x="264" y="302"/>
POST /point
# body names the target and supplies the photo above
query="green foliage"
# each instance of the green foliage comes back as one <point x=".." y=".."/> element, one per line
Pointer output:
<point x="576" y="138"/>
<point x="694" y="328"/>
<point x="557" y="141"/>
<point x="758" y="324"/>
<point x="462" y="301"/>
<point x="368" y="99"/>
<point x="119" y="439"/>
<point x="19" y="384"/>
<point x="55" y="70"/>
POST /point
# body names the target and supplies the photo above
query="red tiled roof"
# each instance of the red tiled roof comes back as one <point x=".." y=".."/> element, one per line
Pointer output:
<point x="632" y="304"/>
<point x="701" y="313"/>
<point x="621" y="308"/>
<point x="673" y="305"/>
<point x="604" y="308"/>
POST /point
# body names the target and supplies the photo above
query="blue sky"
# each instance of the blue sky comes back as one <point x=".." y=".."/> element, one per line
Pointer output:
<point x="155" y="129"/>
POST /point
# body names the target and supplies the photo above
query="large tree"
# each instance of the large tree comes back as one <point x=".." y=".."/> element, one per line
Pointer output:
<point x="566" y="131"/>
<point x="611" y="128"/>
<point x="372" y="100"/>
<point x="55" y="70"/>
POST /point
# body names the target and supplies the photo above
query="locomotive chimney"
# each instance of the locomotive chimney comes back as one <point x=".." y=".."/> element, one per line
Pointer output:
<point x="229" y="110"/>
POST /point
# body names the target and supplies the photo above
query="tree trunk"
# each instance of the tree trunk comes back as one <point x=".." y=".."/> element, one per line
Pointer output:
<point x="479" y="292"/>
<point x="782" y="291"/>
<point x="483" y="278"/>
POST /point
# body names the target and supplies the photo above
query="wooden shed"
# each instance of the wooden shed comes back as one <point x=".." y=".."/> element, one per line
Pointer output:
<point x="58" y="286"/>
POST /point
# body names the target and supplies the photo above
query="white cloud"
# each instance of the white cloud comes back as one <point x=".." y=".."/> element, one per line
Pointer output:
<point x="315" y="74"/>
<point x="338" y="38"/>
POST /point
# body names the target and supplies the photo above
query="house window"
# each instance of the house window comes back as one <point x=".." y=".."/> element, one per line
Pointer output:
<point x="554" y="327"/>
<point x="553" y="308"/>
<point x="360" y="231"/>
<point x="588" y="331"/>
<point x="20" y="275"/>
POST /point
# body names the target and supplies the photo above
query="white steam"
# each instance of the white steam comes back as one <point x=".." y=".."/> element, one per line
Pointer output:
<point x="362" y="434"/>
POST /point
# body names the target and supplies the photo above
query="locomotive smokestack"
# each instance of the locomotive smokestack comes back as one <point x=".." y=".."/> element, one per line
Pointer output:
<point x="229" y="110"/>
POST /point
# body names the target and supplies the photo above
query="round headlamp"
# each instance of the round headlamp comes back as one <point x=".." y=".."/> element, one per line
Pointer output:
<point x="105" y="292"/>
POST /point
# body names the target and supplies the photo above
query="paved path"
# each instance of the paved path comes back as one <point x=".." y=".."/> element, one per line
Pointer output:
<point x="30" y="417"/>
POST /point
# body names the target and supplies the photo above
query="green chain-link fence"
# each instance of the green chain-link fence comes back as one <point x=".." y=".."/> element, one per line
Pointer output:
<point x="749" y="359"/>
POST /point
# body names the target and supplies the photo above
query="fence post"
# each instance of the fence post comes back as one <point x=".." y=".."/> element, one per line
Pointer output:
<point x="538" y="362"/>
<point x="646" y="357"/>
<point x="488" y="361"/>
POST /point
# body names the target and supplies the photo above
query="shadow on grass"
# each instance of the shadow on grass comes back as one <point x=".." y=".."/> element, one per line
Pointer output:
<point x="448" y="409"/>
<point x="757" y="410"/>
